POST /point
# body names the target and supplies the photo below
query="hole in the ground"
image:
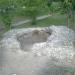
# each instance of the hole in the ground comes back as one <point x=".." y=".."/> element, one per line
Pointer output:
<point x="28" y="39"/>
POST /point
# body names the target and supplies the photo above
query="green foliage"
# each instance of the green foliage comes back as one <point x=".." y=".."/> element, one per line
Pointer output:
<point x="67" y="6"/>
<point x="31" y="8"/>
<point x="6" y="19"/>
<point x="55" y="7"/>
<point x="6" y="12"/>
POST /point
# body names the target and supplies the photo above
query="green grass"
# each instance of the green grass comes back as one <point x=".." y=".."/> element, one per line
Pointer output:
<point x="55" y="19"/>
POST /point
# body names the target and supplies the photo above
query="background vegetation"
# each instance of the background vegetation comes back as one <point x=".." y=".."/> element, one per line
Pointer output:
<point x="33" y="8"/>
<point x="62" y="13"/>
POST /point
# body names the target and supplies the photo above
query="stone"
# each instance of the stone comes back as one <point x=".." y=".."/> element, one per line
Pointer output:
<point x="37" y="51"/>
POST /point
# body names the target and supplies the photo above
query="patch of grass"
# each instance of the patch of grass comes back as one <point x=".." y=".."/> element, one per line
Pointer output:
<point x="55" y="19"/>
